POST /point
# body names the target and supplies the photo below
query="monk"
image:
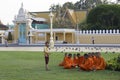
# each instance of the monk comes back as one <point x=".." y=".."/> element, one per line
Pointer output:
<point x="88" y="63"/>
<point x="93" y="56"/>
<point x="68" y="62"/>
<point x="75" y="60"/>
<point x="100" y="63"/>
<point x="64" y="59"/>
<point x="80" y="59"/>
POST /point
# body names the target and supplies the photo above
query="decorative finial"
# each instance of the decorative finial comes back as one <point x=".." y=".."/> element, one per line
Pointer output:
<point x="15" y="17"/>
<point x="22" y="5"/>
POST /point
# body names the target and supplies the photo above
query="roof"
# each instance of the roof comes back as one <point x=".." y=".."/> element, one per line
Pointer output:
<point x="3" y="27"/>
<point x="76" y="16"/>
<point x="44" y="15"/>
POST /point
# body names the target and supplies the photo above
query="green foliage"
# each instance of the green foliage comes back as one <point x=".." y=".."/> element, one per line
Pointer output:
<point x="87" y="4"/>
<point x="61" y="19"/>
<point x="114" y="64"/>
<point x="68" y="5"/>
<point x="9" y="36"/>
<point x="104" y="17"/>
<point x="83" y="26"/>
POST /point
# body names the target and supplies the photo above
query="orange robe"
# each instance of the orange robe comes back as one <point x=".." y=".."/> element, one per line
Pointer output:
<point x="75" y="61"/>
<point x="80" y="60"/>
<point x="87" y="65"/>
<point x="63" y="62"/>
<point x="100" y="63"/>
<point x="94" y="58"/>
<point x="68" y="63"/>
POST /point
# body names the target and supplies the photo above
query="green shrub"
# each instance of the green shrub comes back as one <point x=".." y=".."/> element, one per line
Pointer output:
<point x="114" y="64"/>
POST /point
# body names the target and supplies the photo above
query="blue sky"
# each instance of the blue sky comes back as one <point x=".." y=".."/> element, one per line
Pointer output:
<point x="9" y="8"/>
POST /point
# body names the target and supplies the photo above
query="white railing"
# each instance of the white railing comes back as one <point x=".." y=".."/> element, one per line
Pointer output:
<point x="99" y="31"/>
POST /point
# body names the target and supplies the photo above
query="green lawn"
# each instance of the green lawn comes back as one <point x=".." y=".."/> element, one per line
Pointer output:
<point x="30" y="66"/>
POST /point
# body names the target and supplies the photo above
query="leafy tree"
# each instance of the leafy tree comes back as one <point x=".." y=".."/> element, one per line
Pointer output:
<point x="68" y="5"/>
<point x="104" y="17"/>
<point x="87" y="4"/>
<point x="61" y="19"/>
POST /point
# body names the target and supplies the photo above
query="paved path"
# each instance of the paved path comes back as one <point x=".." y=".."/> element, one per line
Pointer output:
<point x="63" y="45"/>
<point x="64" y="49"/>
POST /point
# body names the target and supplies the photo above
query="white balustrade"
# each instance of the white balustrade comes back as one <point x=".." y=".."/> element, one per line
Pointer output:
<point x="90" y="32"/>
<point x="80" y="32"/>
<point x="93" y="31"/>
<point x="99" y="31"/>
<point x="103" y="31"/>
<point x="106" y="31"/>
<point x="83" y="31"/>
<point x="114" y="32"/>
<point x="117" y="31"/>
<point x="87" y="32"/>
<point x="110" y="31"/>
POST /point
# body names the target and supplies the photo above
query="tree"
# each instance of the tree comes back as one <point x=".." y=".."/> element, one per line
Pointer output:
<point x="68" y="5"/>
<point x="104" y="17"/>
<point x="88" y="4"/>
<point x="61" y="19"/>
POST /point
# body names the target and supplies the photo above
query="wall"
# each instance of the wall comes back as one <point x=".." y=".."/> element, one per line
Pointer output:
<point x="100" y="36"/>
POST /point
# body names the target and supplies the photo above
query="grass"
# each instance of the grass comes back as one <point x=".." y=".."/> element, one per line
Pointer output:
<point x="22" y="65"/>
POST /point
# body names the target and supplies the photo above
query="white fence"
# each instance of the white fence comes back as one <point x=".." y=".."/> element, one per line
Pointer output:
<point x="99" y="31"/>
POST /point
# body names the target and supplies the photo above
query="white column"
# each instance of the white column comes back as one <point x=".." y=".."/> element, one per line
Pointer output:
<point x="93" y="31"/>
<point x="117" y="31"/>
<point x="30" y="36"/>
<point x="64" y="36"/>
<point x="36" y="37"/>
<point x="103" y="32"/>
<point x="77" y="37"/>
<point x="110" y="31"/>
<point x="83" y="31"/>
<point x="86" y="31"/>
<point x="100" y="31"/>
<point x="2" y="39"/>
<point x="106" y="31"/>
<point x="54" y="37"/>
<point x="72" y="38"/>
<point x="30" y="39"/>
<point x="51" y="32"/>
<point x="90" y="32"/>
<point x="80" y="32"/>
<point x="96" y="31"/>
<point x="114" y="31"/>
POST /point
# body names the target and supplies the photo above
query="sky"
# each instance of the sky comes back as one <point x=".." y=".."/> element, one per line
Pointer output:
<point x="10" y="8"/>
